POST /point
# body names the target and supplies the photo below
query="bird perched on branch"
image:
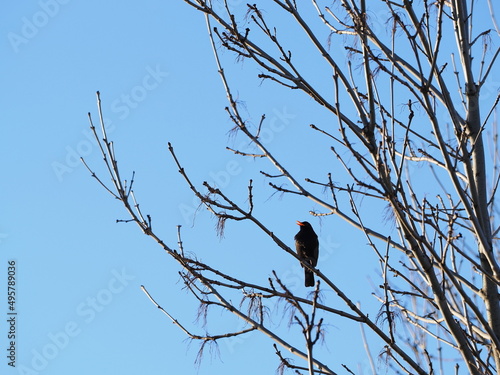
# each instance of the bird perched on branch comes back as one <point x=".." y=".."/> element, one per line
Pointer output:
<point x="307" y="246"/>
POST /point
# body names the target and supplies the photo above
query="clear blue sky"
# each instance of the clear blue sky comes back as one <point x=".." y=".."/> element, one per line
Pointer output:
<point x="79" y="304"/>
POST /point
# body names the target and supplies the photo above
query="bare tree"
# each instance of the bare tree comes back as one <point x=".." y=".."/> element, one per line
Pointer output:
<point x="411" y="88"/>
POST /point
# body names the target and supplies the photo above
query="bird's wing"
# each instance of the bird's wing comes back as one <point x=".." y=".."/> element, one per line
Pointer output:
<point x="315" y="254"/>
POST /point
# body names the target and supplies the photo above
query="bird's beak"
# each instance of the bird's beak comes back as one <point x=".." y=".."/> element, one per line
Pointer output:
<point x="300" y="223"/>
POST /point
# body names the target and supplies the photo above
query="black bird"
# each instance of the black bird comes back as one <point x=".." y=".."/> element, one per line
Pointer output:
<point x="307" y="246"/>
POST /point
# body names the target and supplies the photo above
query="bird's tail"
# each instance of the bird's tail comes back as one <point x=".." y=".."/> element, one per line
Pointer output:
<point x="308" y="278"/>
